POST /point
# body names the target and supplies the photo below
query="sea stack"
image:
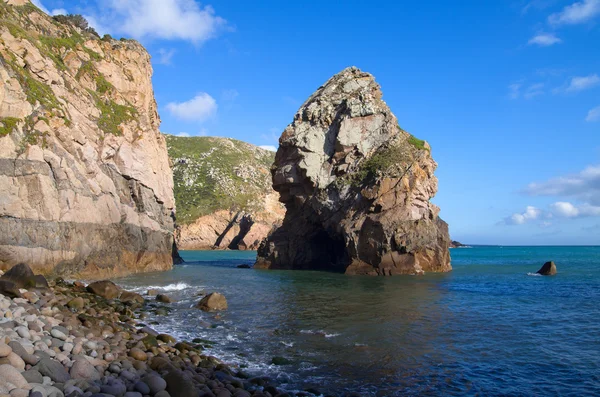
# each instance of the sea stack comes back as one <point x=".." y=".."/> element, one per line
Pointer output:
<point x="356" y="188"/>
<point x="85" y="182"/>
<point x="548" y="269"/>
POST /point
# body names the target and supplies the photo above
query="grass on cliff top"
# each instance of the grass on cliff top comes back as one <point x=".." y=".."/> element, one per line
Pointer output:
<point x="202" y="166"/>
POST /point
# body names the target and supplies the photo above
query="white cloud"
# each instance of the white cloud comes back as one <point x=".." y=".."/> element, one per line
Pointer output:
<point x="531" y="213"/>
<point x="59" y="11"/>
<point x="183" y="135"/>
<point x="268" y="147"/>
<point x="581" y="83"/>
<point x="576" y="13"/>
<point x="39" y="5"/>
<point x="593" y="114"/>
<point x="544" y="39"/>
<point x="200" y="108"/>
<point x="163" y="19"/>
<point x="165" y="56"/>
<point x="567" y="210"/>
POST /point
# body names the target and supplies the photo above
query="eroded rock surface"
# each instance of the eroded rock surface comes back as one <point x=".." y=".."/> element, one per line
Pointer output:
<point x="356" y="187"/>
<point x="84" y="173"/>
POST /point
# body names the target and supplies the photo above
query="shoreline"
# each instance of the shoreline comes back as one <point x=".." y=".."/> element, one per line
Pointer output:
<point x="65" y="340"/>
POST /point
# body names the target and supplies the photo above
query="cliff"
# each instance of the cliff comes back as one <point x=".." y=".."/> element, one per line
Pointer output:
<point x="85" y="183"/>
<point x="356" y="188"/>
<point x="223" y="193"/>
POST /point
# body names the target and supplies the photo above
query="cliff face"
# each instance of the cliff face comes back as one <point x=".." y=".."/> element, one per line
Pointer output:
<point x="223" y="193"/>
<point x="85" y="183"/>
<point x="356" y="188"/>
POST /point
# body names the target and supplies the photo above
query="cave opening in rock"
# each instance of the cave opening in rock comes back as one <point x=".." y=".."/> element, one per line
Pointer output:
<point x="329" y="253"/>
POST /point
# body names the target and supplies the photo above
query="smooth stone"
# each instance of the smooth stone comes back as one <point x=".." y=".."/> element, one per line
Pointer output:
<point x="138" y="354"/>
<point x="155" y="383"/>
<point x="33" y="376"/>
<point x="53" y="369"/>
<point x="76" y="303"/>
<point x="16" y="361"/>
<point x="23" y="332"/>
<point x="5" y="349"/>
<point x="58" y="334"/>
<point x="162" y="393"/>
<point x="105" y="288"/>
<point x="163" y="298"/>
<point x="133" y="394"/>
<point x="179" y="384"/>
<point x="83" y="369"/>
<point x="141" y="387"/>
<point x="10" y="374"/>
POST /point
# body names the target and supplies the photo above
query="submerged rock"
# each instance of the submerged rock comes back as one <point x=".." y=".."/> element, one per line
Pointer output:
<point x="356" y="187"/>
<point x="212" y="302"/>
<point x="548" y="269"/>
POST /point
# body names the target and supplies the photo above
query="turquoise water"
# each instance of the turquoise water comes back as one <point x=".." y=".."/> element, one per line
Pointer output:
<point x="486" y="328"/>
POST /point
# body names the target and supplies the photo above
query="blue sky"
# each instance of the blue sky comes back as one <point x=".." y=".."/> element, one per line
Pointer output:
<point x="506" y="92"/>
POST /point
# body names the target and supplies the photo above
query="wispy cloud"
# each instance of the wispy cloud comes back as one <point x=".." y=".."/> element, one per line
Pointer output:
<point x="518" y="90"/>
<point x="200" y="108"/>
<point x="581" y="83"/>
<point x="514" y="90"/>
<point x="593" y="114"/>
<point x="165" y="57"/>
<point x="583" y="186"/>
<point x="544" y="40"/>
<point x="534" y="90"/>
<point x="576" y="13"/>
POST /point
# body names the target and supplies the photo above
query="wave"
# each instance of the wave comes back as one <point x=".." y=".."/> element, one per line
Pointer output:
<point x="169" y="287"/>
<point x="534" y="274"/>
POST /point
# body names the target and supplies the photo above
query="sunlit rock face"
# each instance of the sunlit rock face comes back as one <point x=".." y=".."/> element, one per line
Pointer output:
<point x="356" y="187"/>
<point x="85" y="182"/>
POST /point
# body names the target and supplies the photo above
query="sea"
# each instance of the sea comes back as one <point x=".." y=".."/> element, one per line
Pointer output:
<point x="490" y="327"/>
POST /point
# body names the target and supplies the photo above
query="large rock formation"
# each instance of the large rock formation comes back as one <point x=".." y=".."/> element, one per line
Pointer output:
<point x="356" y="188"/>
<point x="223" y="193"/>
<point x="85" y="183"/>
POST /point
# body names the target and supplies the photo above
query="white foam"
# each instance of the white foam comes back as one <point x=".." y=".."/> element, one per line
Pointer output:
<point x="533" y="274"/>
<point x="318" y="332"/>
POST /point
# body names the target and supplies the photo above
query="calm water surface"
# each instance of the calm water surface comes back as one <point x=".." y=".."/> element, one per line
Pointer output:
<point x="486" y="328"/>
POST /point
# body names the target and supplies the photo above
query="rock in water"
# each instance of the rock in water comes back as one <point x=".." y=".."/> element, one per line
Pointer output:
<point x="548" y="269"/>
<point x="212" y="302"/>
<point x="356" y="187"/>
<point x="85" y="181"/>
<point x="105" y="288"/>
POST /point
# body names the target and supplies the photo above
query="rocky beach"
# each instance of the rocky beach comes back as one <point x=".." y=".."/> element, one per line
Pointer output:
<point x="68" y="339"/>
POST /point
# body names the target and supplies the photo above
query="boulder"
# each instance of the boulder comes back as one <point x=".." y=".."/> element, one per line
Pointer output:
<point x="9" y="289"/>
<point x="213" y="301"/>
<point x="356" y="188"/>
<point x="163" y="298"/>
<point x="22" y="276"/>
<point x="105" y="288"/>
<point x="244" y="266"/>
<point x="128" y="296"/>
<point x="548" y="269"/>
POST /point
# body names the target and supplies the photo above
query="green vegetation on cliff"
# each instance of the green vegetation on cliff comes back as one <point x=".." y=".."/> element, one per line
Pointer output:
<point x="212" y="174"/>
